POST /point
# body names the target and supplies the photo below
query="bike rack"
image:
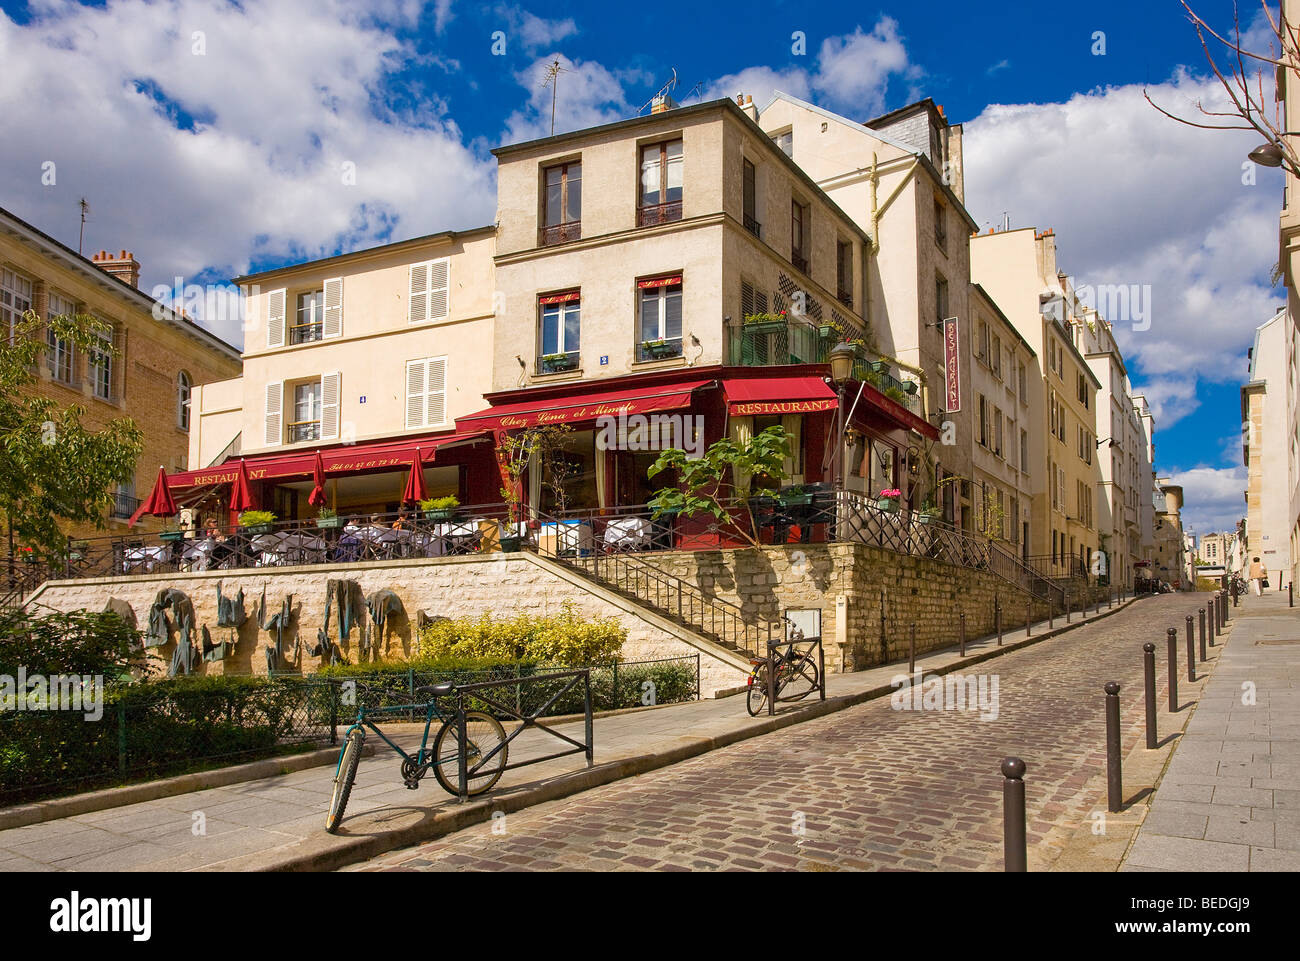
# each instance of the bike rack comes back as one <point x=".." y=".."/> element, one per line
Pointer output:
<point x="814" y="644"/>
<point x="527" y="720"/>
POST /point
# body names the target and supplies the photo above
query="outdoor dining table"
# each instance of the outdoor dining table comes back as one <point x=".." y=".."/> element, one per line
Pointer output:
<point x="145" y="558"/>
<point x="282" y="548"/>
<point x="387" y="542"/>
<point x="456" y="537"/>
<point x="629" y="534"/>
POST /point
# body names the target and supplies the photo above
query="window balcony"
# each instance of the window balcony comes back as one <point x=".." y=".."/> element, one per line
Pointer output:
<point x="659" y="349"/>
<point x="124" y="505"/>
<point x="845" y="297"/>
<point x="753" y="226"/>
<point x="304" y="431"/>
<point x="557" y="363"/>
<point x="650" y="216"/>
<point x="560" y="233"/>
<point x="799" y="260"/>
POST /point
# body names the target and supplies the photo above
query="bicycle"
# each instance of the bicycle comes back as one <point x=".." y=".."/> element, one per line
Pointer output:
<point x="485" y="748"/>
<point x="793" y="668"/>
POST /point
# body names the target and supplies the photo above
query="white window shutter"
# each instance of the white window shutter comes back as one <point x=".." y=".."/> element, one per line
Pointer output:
<point x="439" y="288"/>
<point x="275" y="318"/>
<point x="274" y="407"/>
<point x="435" y="391"/>
<point x="329" y="406"/>
<point x="415" y="404"/>
<point x="418" y="302"/>
<point x="333" y="323"/>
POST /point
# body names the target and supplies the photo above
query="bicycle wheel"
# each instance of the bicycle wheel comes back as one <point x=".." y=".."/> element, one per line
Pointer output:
<point x="801" y="678"/>
<point x="483" y="735"/>
<point x="349" y="758"/>
<point x="756" y="698"/>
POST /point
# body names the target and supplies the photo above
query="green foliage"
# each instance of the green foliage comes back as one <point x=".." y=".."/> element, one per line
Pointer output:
<point x="779" y="318"/>
<point x="563" y="638"/>
<point x="706" y="483"/>
<point x="78" y="642"/>
<point x="253" y="518"/>
<point x="448" y="503"/>
<point x="325" y="513"/>
<point x="52" y="469"/>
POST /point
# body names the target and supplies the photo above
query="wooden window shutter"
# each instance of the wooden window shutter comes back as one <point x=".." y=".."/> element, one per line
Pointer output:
<point x="415" y="403"/>
<point x="274" y="407"/>
<point x="275" y="300"/>
<point x="435" y="391"/>
<point x="746" y="300"/>
<point x="418" y="302"/>
<point x="333" y="322"/>
<point x="439" y="288"/>
<point x="329" y="406"/>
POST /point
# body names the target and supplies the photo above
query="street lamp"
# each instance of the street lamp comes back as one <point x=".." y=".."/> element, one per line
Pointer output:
<point x="842" y="359"/>
<point x="1267" y="155"/>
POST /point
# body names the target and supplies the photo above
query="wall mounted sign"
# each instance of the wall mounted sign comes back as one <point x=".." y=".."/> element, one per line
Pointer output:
<point x="951" y="368"/>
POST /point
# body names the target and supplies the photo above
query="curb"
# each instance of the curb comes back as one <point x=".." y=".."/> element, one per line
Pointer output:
<point x="324" y="852"/>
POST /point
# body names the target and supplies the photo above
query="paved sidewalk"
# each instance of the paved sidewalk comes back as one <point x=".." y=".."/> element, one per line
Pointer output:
<point x="278" y="822"/>
<point x="1230" y="797"/>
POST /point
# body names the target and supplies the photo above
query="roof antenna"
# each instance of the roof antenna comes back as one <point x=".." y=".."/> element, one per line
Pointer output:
<point x="662" y="93"/>
<point x="85" y="209"/>
<point x="552" y="80"/>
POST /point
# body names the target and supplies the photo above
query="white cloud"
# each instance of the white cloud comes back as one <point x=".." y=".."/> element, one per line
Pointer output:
<point x="1212" y="498"/>
<point x="1140" y="199"/>
<point x="589" y="94"/>
<point x="285" y="95"/>
<point x="532" y="31"/>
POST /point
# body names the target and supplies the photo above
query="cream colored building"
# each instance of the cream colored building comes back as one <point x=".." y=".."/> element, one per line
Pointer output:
<point x="1271" y="447"/>
<point x="1018" y="269"/>
<point x="367" y="351"/>
<point x="1171" y="562"/>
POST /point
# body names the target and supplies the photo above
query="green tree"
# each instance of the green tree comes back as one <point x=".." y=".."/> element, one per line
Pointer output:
<point x="52" y="469"/>
<point x="707" y="484"/>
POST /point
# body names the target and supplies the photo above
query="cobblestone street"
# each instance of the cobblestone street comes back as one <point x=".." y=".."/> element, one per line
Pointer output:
<point x="869" y="788"/>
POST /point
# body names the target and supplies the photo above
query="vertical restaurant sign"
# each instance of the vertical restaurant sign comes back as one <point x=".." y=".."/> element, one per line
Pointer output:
<point x="951" y="370"/>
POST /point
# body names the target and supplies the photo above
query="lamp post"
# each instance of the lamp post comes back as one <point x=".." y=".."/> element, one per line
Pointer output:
<point x="842" y="358"/>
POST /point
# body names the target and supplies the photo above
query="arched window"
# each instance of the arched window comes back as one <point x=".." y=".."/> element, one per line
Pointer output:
<point x="183" y="400"/>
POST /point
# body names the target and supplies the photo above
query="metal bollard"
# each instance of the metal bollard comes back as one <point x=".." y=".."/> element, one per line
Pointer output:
<point x="1191" y="651"/>
<point x="1029" y="616"/>
<point x="1051" y="610"/>
<point x="1211" y="620"/>
<point x="1067" y="607"/>
<point x="1149" y="678"/>
<point x="911" y="651"/>
<point x="1114" y="772"/>
<point x="1172" y="634"/>
<point x="962" y="637"/>
<point x="1290" y="595"/>
<point x="1014" y="853"/>
<point x="1201" y="612"/>
<point x="1234" y="593"/>
<point x="997" y="619"/>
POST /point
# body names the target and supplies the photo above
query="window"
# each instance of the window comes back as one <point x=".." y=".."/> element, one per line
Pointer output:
<point x="940" y="297"/>
<point x="661" y="318"/>
<point x="183" y="400"/>
<point x="306" y="412"/>
<point x="997" y="431"/>
<point x="661" y="183"/>
<point x="59" y="352"/>
<point x="785" y="141"/>
<point x="996" y="357"/>
<point x="799" y="235"/>
<point x="984" y="422"/>
<point x="561" y="328"/>
<point x="1084" y="399"/>
<point x="1024" y="451"/>
<point x="15" y="300"/>
<point x="561" y="203"/>
<point x="124" y="499"/>
<point x="982" y="342"/>
<point x="308" y="324"/>
<point x="426" y="392"/>
<point x="940" y="224"/>
<point x="844" y="272"/>
<point x="752" y="300"/>
<point x="1021" y="389"/>
<point x="427" y="297"/>
<point x="101" y="367"/>
<point x="749" y="200"/>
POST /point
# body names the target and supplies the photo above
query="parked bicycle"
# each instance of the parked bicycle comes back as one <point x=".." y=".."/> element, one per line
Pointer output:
<point x="796" y="676"/>
<point x="485" y="747"/>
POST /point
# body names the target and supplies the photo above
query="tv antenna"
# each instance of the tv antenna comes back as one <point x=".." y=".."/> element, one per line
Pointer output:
<point x="552" y="80"/>
<point x="85" y="209"/>
<point x="662" y="91"/>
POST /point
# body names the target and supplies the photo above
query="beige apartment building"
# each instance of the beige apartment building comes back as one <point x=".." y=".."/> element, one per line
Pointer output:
<point x="1171" y="562"/>
<point x="366" y="357"/>
<point x="1000" y="369"/>
<point x="682" y="263"/>
<point x="161" y="356"/>
<point x="1018" y="269"/>
<point x="900" y="178"/>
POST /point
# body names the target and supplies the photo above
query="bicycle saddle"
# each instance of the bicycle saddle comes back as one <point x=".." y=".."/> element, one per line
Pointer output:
<point x="437" y="690"/>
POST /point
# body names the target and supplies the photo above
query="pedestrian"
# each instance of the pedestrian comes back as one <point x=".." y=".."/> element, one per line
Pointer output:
<point x="1257" y="576"/>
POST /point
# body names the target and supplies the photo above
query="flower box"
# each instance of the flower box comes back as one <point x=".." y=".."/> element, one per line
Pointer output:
<point x="887" y="504"/>
<point x="765" y="327"/>
<point x="511" y="543"/>
<point x="442" y="513"/>
<point x="329" y="523"/>
<point x="660" y="349"/>
<point x="796" y="500"/>
<point x="555" y="363"/>
<point x="256" y="529"/>
<point x="172" y="536"/>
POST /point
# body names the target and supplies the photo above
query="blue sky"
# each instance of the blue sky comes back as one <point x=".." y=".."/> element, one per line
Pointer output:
<point x="209" y="139"/>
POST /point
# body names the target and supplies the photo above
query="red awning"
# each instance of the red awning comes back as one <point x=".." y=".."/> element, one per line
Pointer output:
<point x="879" y="404"/>
<point x="778" y="395"/>
<point x="392" y="455"/>
<point x="576" y="408"/>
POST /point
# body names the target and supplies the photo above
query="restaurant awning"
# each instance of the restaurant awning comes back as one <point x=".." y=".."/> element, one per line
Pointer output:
<point x="778" y="395"/>
<point x="383" y="456"/>
<point x="574" y="409"/>
<point x="880" y="405"/>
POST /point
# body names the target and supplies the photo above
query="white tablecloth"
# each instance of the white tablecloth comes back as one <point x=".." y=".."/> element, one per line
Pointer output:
<point x="629" y="533"/>
<point x="144" y="558"/>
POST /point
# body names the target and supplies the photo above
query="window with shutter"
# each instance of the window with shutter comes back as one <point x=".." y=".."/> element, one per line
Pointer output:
<point x="275" y="301"/>
<point x="334" y="307"/>
<point x="430" y="283"/>
<point x="330" y="401"/>
<point x="426" y="392"/>
<point x="274" y="411"/>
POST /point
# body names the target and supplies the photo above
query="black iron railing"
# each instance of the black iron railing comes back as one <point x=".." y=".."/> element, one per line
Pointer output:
<point x="652" y="214"/>
<point x="560" y="233"/>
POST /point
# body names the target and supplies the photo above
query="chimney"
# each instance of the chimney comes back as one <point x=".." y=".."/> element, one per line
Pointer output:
<point x="746" y="103"/>
<point x="124" y="266"/>
<point x="662" y="103"/>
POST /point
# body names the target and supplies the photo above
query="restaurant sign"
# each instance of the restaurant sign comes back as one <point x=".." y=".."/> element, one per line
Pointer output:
<point x="760" y="407"/>
<point x="951" y="369"/>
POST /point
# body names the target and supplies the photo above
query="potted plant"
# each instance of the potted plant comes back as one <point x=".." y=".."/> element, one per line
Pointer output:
<point x="661" y="348"/>
<point x="765" y="323"/>
<point x="257" y="522"/>
<point x="794" y="496"/>
<point x="554" y="363"/>
<point x="440" y="508"/>
<point x="327" y="518"/>
<point x="911" y="386"/>
<point x="513" y="456"/>
<point x="171" y="533"/>
<point x="887" y="500"/>
<point x="929" y="513"/>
